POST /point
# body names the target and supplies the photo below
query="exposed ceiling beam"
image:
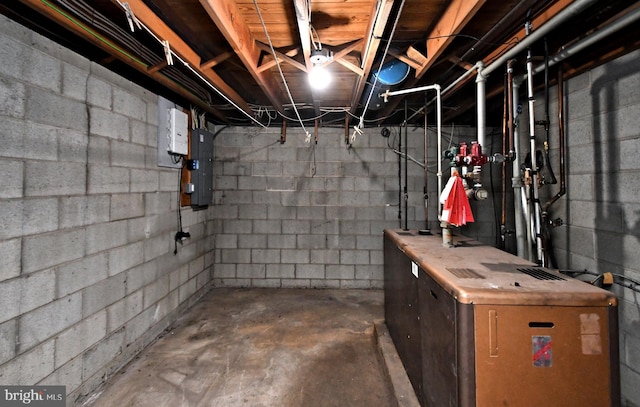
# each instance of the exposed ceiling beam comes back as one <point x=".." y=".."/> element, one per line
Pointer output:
<point x="302" y="19"/>
<point x="379" y="18"/>
<point x="180" y="47"/>
<point x="538" y="21"/>
<point x="229" y="20"/>
<point x="350" y="66"/>
<point x="338" y="57"/>
<point x="216" y="60"/>
<point x="405" y="58"/>
<point x="453" y="20"/>
<point x="285" y="57"/>
<point x="455" y="17"/>
<point x="89" y="34"/>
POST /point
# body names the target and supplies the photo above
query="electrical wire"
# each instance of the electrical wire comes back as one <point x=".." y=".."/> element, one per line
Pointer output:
<point x="84" y="14"/>
<point x="634" y="285"/>
<point x="284" y="81"/>
<point x="196" y="73"/>
<point x="402" y="154"/>
<point x="375" y="81"/>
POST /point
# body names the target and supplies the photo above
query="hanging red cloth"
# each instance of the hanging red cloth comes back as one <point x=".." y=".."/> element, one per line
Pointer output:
<point x="456" y="209"/>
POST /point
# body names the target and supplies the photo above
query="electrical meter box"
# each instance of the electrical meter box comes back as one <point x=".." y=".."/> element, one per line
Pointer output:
<point x="178" y="132"/>
<point x="202" y="174"/>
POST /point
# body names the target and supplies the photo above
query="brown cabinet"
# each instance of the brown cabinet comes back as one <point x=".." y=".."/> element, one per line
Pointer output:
<point x="476" y="326"/>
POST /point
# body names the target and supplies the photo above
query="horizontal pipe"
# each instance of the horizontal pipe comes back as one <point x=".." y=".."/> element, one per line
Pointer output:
<point x="571" y="11"/>
<point x="617" y="25"/>
<point x="411" y="90"/>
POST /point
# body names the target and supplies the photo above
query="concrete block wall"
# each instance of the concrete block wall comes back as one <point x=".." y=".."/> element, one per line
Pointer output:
<point x="88" y="275"/>
<point x="601" y="209"/>
<point x="312" y="215"/>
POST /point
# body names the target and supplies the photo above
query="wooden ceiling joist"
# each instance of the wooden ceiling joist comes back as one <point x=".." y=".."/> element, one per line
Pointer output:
<point x="210" y="64"/>
<point x="180" y="47"/>
<point x="339" y="57"/>
<point x="453" y="20"/>
<point x="88" y="34"/>
<point x="405" y="58"/>
<point x="302" y="18"/>
<point x="455" y="17"/>
<point x="376" y="28"/>
<point x="284" y="57"/>
<point x="228" y="19"/>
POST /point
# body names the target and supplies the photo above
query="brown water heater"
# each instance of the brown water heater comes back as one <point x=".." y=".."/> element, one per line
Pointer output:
<point x="476" y="326"/>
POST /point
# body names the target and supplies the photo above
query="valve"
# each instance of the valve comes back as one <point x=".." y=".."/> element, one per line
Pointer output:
<point x="473" y="157"/>
<point x="466" y="155"/>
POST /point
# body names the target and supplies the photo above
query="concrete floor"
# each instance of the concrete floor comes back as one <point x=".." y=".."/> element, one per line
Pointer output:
<point x="262" y="347"/>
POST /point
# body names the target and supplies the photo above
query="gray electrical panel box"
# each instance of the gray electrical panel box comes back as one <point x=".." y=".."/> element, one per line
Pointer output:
<point x="202" y="176"/>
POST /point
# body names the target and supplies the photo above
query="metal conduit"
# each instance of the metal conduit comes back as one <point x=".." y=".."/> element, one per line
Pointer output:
<point x="571" y="11"/>
<point x="615" y="26"/>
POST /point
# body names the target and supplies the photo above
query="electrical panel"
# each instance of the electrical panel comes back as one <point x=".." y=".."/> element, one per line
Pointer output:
<point x="201" y="166"/>
<point x="177" y="132"/>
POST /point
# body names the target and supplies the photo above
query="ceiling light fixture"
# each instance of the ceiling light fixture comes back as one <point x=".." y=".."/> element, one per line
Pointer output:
<point x="320" y="56"/>
<point x="319" y="77"/>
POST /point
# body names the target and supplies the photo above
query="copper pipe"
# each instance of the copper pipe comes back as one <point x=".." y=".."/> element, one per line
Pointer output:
<point x="561" y="142"/>
<point x="505" y="131"/>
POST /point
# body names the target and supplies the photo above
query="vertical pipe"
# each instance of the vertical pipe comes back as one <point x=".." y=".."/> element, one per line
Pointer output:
<point x="425" y="189"/>
<point x="561" y="143"/>
<point x="516" y="180"/>
<point x="439" y="124"/>
<point x="535" y="216"/>
<point x="400" y="178"/>
<point x="406" y="167"/>
<point x="505" y="137"/>
<point x="481" y="81"/>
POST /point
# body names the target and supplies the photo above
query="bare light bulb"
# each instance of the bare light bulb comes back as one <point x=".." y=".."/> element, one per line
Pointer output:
<point x="319" y="78"/>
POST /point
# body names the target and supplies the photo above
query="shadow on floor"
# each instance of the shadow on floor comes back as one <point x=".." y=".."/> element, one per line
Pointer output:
<point x="262" y="347"/>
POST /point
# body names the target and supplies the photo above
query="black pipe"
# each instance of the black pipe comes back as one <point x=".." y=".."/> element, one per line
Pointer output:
<point x="505" y="137"/>
<point x="546" y="116"/>
<point x="406" y="168"/>
<point x="561" y="143"/>
<point x="425" y="189"/>
<point x="400" y="177"/>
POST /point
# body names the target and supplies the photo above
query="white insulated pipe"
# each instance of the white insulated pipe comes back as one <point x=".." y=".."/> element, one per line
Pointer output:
<point x="481" y="104"/>
<point x="570" y="11"/>
<point x="522" y="238"/>
<point x="572" y="49"/>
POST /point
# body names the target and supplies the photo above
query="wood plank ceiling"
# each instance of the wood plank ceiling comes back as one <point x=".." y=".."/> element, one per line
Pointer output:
<point x="247" y="61"/>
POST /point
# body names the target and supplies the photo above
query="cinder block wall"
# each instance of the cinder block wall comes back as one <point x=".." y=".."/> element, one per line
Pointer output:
<point x="88" y="276"/>
<point x="601" y="209"/>
<point x="312" y="215"/>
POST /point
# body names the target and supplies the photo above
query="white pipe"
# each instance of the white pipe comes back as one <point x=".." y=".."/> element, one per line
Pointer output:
<point x="591" y="39"/>
<point x="410" y="90"/>
<point x="535" y="216"/>
<point x="516" y="181"/>
<point x="481" y="81"/>
<point x="570" y="11"/>
<point x="439" y="125"/>
<point x="444" y="91"/>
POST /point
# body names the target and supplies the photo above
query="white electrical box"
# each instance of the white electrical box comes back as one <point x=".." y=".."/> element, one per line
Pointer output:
<point x="177" y="132"/>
